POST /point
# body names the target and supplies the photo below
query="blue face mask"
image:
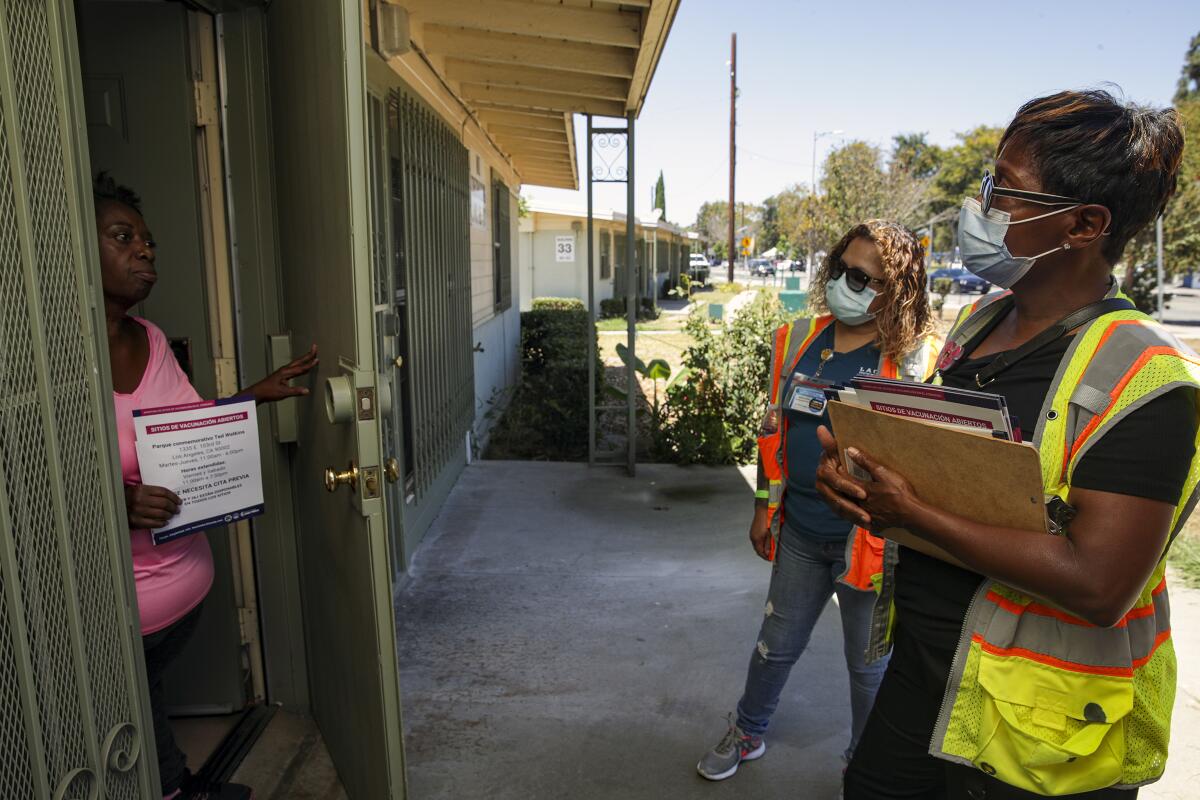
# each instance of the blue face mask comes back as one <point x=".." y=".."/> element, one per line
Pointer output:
<point x="981" y="241"/>
<point x="848" y="306"/>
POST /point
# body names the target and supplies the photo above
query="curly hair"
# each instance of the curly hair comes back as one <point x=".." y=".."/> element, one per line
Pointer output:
<point x="104" y="187"/>
<point x="904" y="320"/>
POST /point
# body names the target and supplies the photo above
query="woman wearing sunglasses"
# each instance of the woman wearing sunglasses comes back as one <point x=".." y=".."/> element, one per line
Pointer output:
<point x="873" y="318"/>
<point x="1046" y="668"/>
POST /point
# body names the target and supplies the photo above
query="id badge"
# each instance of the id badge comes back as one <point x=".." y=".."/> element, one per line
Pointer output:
<point x="806" y="395"/>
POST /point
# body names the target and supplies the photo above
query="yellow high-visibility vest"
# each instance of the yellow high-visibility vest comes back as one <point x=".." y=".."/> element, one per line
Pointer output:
<point x="1038" y="697"/>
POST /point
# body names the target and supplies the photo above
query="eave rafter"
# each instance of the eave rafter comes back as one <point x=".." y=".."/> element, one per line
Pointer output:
<point x="526" y="67"/>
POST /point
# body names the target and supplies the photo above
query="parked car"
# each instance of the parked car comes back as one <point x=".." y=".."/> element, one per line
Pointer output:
<point x="698" y="268"/>
<point x="761" y="266"/>
<point x="963" y="281"/>
<point x="794" y="266"/>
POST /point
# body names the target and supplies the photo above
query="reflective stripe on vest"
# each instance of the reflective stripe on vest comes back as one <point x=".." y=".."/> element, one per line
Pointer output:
<point x="864" y="553"/>
<point x="1039" y="697"/>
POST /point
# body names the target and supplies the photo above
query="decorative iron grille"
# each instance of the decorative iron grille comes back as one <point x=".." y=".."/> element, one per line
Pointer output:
<point x="434" y="250"/>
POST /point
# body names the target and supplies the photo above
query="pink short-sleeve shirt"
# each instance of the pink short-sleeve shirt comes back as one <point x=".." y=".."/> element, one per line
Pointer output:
<point x="171" y="578"/>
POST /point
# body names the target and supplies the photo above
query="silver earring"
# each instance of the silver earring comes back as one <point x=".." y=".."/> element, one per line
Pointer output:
<point x="1066" y="245"/>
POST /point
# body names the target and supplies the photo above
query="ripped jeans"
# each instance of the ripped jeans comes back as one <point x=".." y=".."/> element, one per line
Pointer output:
<point x="803" y="579"/>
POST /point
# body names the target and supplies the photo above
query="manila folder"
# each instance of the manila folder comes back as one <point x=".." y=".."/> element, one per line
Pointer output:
<point x="992" y="481"/>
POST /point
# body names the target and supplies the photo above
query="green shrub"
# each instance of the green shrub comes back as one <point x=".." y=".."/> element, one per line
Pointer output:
<point x="558" y="304"/>
<point x="548" y="415"/>
<point x="712" y="416"/>
<point x="613" y="307"/>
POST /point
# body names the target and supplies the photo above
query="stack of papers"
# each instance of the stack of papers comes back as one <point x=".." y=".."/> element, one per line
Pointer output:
<point x="982" y="413"/>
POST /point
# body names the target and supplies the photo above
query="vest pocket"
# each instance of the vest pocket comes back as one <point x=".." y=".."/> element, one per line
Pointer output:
<point x="1051" y="730"/>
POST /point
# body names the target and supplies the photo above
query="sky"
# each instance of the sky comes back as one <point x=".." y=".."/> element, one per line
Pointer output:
<point x="871" y="68"/>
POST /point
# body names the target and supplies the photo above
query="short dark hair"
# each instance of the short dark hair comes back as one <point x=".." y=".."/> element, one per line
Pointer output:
<point x="104" y="187"/>
<point x="1090" y="145"/>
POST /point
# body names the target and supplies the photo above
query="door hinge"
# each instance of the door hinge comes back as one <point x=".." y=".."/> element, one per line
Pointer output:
<point x="205" y="95"/>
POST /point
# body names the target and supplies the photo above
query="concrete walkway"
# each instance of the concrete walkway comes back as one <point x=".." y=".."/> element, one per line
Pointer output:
<point x="579" y="634"/>
<point x="574" y="633"/>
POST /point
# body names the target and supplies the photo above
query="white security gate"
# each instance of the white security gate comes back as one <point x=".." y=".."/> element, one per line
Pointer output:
<point x="72" y="718"/>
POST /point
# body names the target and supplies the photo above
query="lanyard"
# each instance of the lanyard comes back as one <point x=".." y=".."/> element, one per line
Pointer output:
<point x="1009" y="358"/>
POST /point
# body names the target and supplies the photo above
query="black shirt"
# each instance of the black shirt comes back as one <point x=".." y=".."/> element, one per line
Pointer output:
<point x="1147" y="454"/>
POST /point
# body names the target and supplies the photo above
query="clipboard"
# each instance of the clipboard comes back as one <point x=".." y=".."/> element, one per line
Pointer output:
<point x="993" y="481"/>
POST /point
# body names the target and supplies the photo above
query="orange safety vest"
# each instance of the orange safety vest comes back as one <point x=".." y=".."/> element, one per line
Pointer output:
<point x="864" y="552"/>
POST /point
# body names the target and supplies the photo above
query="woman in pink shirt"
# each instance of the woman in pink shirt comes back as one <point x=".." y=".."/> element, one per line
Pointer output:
<point x="172" y="578"/>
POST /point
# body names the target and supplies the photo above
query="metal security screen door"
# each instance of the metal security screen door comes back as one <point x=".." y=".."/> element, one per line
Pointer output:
<point x="71" y="717"/>
<point x="423" y="281"/>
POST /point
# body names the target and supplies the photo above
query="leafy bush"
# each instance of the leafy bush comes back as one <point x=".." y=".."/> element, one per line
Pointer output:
<point x="712" y="416"/>
<point x="548" y="415"/>
<point x="613" y="307"/>
<point x="558" y="304"/>
<point x="1142" y="288"/>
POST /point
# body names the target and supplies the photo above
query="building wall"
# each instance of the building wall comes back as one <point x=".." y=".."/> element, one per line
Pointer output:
<point x="498" y="345"/>
<point x="542" y="275"/>
<point x="483" y="288"/>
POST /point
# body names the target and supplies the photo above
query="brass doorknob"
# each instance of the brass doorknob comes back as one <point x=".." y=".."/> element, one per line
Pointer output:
<point x="334" y="478"/>
<point x="398" y="361"/>
<point x="391" y="470"/>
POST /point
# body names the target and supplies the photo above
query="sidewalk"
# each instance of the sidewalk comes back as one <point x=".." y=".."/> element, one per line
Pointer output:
<point x="576" y="633"/>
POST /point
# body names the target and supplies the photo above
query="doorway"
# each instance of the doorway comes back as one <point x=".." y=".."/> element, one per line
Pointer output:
<point x="150" y="82"/>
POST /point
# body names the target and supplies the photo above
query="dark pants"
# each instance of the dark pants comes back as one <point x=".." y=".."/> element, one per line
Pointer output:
<point x="161" y="648"/>
<point x="892" y="759"/>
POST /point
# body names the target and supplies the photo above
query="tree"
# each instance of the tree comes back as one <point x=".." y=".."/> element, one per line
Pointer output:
<point x="961" y="170"/>
<point x="856" y="188"/>
<point x="1181" y="218"/>
<point x="1189" y="78"/>
<point x="801" y="219"/>
<point x="660" y="195"/>
<point x="771" y="235"/>
<point x="911" y="153"/>
<point x="712" y="220"/>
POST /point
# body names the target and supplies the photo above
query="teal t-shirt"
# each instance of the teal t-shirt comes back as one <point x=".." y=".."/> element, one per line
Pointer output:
<point x="804" y="510"/>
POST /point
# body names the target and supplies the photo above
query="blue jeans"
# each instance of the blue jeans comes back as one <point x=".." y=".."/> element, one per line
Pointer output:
<point x="803" y="578"/>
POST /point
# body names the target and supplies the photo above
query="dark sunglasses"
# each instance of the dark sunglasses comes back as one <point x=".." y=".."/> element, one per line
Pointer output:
<point x="988" y="190"/>
<point x="856" y="279"/>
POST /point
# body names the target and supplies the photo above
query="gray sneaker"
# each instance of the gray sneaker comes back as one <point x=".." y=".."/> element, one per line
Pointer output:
<point x="734" y="748"/>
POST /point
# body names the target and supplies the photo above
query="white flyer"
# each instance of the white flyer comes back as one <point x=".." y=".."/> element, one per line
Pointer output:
<point x="207" y="453"/>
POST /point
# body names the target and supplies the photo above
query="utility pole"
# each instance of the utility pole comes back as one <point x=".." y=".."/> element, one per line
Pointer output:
<point x="732" y="142"/>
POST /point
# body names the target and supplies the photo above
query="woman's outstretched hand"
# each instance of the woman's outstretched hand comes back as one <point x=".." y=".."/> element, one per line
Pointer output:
<point x="276" y="386"/>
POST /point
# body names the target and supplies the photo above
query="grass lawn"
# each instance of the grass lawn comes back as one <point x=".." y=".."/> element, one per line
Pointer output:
<point x="664" y="323"/>
<point x="668" y="346"/>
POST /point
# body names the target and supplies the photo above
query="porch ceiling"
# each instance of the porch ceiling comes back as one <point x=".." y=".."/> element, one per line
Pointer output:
<point x="525" y="67"/>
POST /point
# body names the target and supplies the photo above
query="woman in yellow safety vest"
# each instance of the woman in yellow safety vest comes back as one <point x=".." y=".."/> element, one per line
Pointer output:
<point x="1046" y="668"/>
<point x="874" y="318"/>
